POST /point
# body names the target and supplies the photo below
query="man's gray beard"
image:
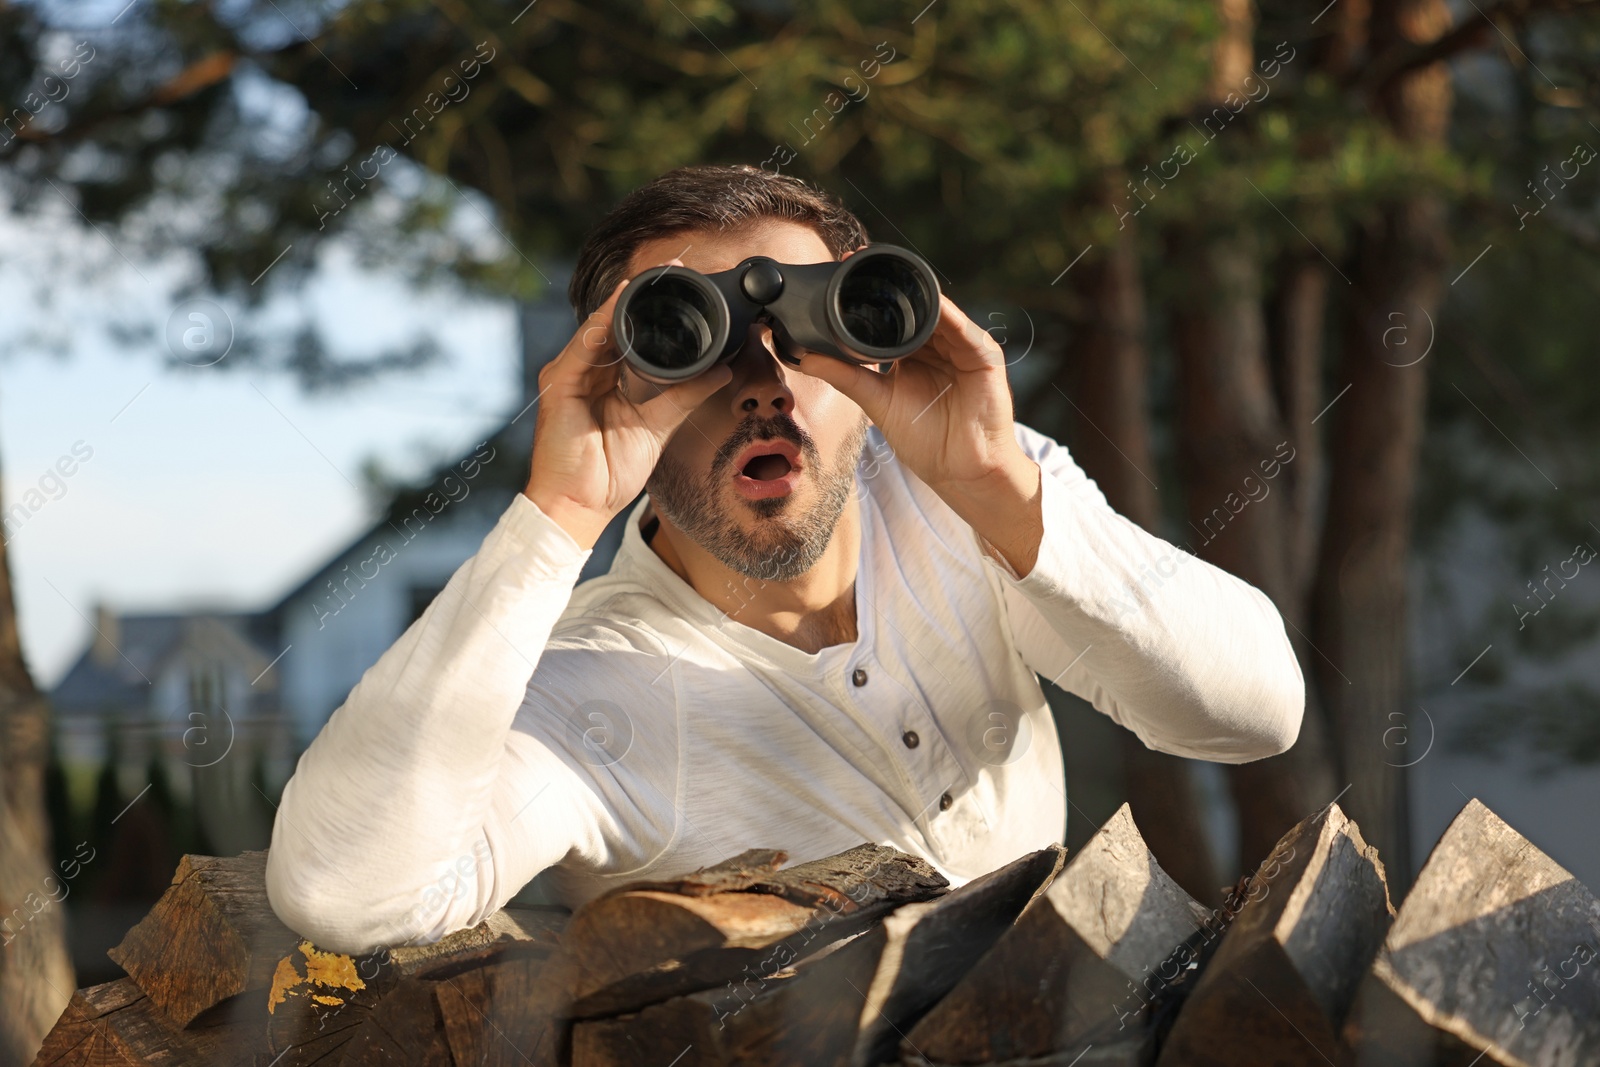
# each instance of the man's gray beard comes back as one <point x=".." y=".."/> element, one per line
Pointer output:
<point x="780" y="551"/>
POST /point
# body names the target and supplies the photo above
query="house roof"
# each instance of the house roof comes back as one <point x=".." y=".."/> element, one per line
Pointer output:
<point x="130" y="651"/>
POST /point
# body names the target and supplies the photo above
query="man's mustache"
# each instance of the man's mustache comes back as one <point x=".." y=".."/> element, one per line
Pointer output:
<point x="764" y="429"/>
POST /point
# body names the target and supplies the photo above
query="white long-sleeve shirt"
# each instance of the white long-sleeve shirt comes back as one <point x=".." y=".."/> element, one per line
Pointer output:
<point x="627" y="729"/>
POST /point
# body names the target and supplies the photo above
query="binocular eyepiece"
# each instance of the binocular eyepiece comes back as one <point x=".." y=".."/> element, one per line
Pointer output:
<point x="878" y="306"/>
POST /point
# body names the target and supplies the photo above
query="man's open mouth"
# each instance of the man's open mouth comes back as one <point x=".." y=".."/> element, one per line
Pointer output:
<point x="767" y="468"/>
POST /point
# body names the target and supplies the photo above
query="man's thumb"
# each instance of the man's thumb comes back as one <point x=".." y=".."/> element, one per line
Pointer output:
<point x="684" y="397"/>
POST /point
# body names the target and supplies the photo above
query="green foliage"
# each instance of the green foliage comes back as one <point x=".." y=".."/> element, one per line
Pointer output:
<point x="108" y="805"/>
<point x="65" y="826"/>
<point x="1019" y="114"/>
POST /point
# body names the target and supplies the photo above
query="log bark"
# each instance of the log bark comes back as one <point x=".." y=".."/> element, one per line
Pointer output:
<point x="117" y="1025"/>
<point x="1280" y="984"/>
<point x="848" y="1004"/>
<point x="637" y="946"/>
<point x="1492" y="959"/>
<point x="1076" y="960"/>
<point x="212" y="935"/>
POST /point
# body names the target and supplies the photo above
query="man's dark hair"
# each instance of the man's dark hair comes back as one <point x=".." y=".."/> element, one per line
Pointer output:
<point x="702" y="197"/>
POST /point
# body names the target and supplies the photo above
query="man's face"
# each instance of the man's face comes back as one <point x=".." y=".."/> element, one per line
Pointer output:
<point x="721" y="478"/>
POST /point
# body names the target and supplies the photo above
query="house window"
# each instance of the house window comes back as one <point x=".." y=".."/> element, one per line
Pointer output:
<point x="205" y="688"/>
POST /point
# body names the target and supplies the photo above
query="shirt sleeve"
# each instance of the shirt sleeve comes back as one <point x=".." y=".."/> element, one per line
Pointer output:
<point x="393" y="829"/>
<point x="1194" y="660"/>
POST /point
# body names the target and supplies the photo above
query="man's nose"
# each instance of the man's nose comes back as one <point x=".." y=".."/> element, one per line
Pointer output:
<point x="760" y="379"/>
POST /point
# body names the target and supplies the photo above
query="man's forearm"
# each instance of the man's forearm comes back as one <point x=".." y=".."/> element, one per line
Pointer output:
<point x="396" y="788"/>
<point x="1193" y="659"/>
<point x="1005" y="510"/>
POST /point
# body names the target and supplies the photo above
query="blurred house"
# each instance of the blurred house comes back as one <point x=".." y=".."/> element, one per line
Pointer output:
<point x="181" y="684"/>
<point x="186" y="700"/>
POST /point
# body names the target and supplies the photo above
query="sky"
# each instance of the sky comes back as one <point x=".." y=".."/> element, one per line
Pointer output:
<point x="215" y="486"/>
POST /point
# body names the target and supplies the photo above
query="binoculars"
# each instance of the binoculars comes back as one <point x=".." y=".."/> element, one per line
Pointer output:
<point x="878" y="306"/>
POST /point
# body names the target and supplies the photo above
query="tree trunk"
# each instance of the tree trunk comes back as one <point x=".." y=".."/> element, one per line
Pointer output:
<point x="1299" y="321"/>
<point x="1359" y="602"/>
<point x="1234" y="443"/>
<point x="36" y="978"/>
<point x="1111" y="370"/>
<point x="1298" y="339"/>
<point x="1232" y="453"/>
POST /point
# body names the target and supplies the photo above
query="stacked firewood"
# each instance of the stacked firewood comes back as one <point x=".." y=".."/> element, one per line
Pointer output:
<point x="869" y="957"/>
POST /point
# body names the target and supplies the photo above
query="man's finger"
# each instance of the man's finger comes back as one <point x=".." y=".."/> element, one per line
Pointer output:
<point x="667" y="410"/>
<point x="580" y="365"/>
<point x="599" y="347"/>
<point x="868" y="389"/>
<point x="963" y="342"/>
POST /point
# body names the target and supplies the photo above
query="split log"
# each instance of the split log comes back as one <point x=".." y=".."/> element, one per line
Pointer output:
<point x="391" y="1006"/>
<point x="1280" y="984"/>
<point x="1493" y="959"/>
<point x="316" y="999"/>
<point x="805" y="1015"/>
<point x="645" y="943"/>
<point x="501" y="1005"/>
<point x="117" y="1025"/>
<point x="846" y="1004"/>
<point x="211" y="936"/>
<point x="931" y="946"/>
<point x="1068" y="968"/>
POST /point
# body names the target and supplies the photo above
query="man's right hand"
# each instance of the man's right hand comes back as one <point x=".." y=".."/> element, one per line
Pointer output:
<point x="593" y="448"/>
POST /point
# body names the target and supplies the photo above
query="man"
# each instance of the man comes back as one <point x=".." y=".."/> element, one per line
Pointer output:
<point x="824" y="625"/>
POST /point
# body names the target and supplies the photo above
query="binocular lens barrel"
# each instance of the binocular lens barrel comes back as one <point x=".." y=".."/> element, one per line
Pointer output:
<point x="879" y="305"/>
<point x="882" y="302"/>
<point x="669" y="324"/>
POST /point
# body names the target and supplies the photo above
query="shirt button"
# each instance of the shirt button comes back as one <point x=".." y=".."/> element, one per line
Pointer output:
<point x="945" y="802"/>
<point x="859" y="677"/>
<point x="911" y="739"/>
